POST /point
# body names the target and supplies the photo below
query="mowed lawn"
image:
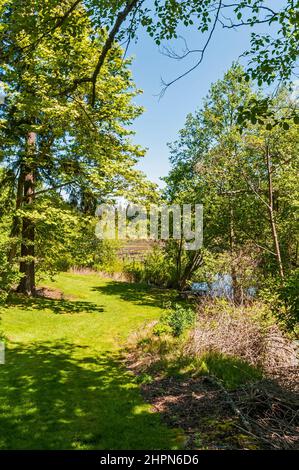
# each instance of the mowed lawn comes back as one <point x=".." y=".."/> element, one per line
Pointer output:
<point x="63" y="385"/>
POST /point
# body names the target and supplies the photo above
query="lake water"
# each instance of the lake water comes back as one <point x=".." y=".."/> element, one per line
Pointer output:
<point x="221" y="286"/>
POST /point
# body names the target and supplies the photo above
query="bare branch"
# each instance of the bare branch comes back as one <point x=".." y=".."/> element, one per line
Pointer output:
<point x="172" y="54"/>
<point x="202" y="53"/>
<point x="242" y="23"/>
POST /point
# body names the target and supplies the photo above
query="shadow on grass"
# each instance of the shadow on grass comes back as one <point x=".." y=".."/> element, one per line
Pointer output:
<point x="60" y="306"/>
<point x="189" y="396"/>
<point x="232" y="371"/>
<point x="207" y="405"/>
<point x="56" y="396"/>
<point x="140" y="294"/>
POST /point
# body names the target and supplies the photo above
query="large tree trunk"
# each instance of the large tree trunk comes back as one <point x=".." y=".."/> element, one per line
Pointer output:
<point x="27" y="263"/>
<point x="271" y="213"/>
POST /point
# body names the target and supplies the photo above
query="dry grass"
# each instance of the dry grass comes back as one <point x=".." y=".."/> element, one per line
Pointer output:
<point x="241" y="332"/>
<point x="144" y="349"/>
<point x="230" y="346"/>
<point x="115" y="276"/>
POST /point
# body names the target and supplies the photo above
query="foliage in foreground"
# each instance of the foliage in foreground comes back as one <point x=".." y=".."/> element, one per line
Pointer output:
<point x="56" y="145"/>
<point x="236" y="345"/>
<point x="8" y="273"/>
<point x="178" y="318"/>
<point x="283" y="299"/>
<point x="272" y="53"/>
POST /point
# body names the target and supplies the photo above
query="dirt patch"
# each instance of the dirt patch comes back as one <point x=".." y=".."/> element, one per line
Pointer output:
<point x="199" y="408"/>
<point x="47" y="293"/>
<point x="264" y="415"/>
<point x="271" y="408"/>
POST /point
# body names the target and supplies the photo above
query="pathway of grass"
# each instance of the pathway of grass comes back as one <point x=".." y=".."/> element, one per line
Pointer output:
<point x="63" y="386"/>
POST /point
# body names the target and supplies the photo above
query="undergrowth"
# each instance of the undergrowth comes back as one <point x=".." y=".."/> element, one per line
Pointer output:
<point x="236" y="345"/>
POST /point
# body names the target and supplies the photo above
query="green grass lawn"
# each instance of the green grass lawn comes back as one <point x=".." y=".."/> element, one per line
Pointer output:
<point x="63" y="385"/>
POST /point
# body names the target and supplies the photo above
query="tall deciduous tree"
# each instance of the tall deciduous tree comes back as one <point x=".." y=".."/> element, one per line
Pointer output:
<point x="241" y="178"/>
<point x="52" y="138"/>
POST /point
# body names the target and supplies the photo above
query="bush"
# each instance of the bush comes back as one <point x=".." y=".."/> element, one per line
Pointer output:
<point x="65" y="239"/>
<point x="8" y="273"/>
<point x="234" y="344"/>
<point x="283" y="300"/>
<point x="157" y="268"/>
<point x="155" y="349"/>
<point x="179" y="318"/>
<point x="289" y="295"/>
<point x="105" y="256"/>
<point x="134" y="270"/>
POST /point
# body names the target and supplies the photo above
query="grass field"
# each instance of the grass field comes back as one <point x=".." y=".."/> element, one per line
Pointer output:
<point x="63" y="385"/>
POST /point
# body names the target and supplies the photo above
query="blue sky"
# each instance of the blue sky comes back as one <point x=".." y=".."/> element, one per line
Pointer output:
<point x="163" y="118"/>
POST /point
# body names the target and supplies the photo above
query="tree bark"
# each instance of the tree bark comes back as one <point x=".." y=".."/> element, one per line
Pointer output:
<point x="27" y="263"/>
<point x="271" y="213"/>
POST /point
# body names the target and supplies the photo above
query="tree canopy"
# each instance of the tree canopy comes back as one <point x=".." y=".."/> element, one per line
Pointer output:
<point x="271" y="58"/>
<point x="54" y="140"/>
<point x="246" y="181"/>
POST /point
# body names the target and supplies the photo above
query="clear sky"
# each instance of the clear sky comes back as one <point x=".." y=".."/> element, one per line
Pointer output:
<point x="163" y="118"/>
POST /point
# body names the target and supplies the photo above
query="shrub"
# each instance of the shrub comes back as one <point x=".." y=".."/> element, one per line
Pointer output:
<point x="179" y="318"/>
<point x="8" y="273"/>
<point x="106" y="256"/>
<point x="134" y="270"/>
<point x="157" y="268"/>
<point x="161" y="329"/>
<point x="283" y="300"/>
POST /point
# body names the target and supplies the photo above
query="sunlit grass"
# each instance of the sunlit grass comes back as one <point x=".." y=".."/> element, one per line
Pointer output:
<point x="63" y="385"/>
